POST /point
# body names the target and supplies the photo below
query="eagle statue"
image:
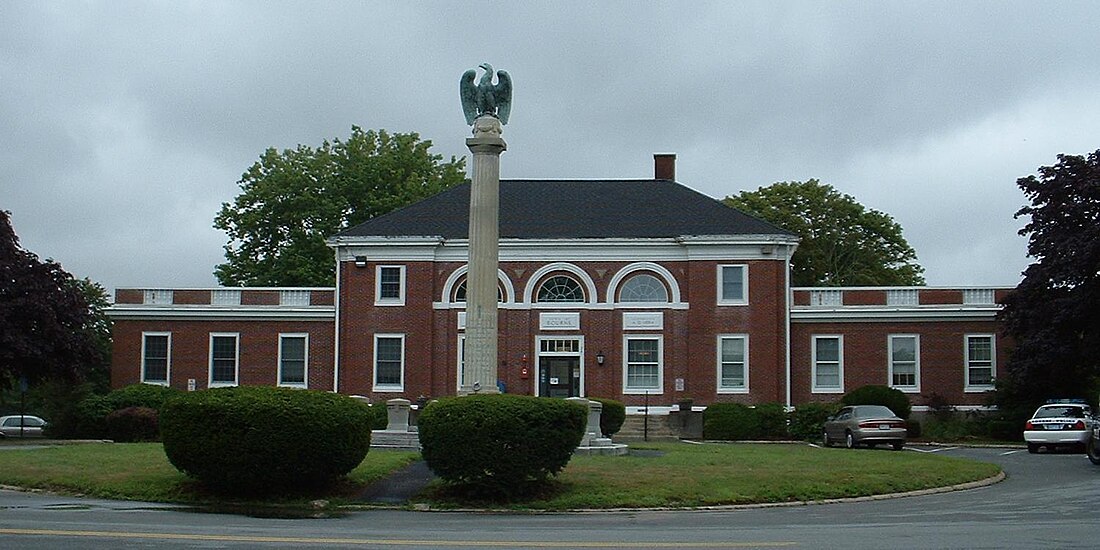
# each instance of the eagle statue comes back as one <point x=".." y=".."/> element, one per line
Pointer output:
<point x="486" y="98"/>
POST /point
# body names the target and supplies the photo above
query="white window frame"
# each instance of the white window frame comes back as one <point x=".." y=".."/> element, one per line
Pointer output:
<point x="967" y="386"/>
<point x="814" y="388"/>
<point x="912" y="388"/>
<point x="167" y="364"/>
<point x="660" y="389"/>
<point x="460" y="356"/>
<point x="305" y="360"/>
<point x="374" y="365"/>
<point x="389" y="301"/>
<point x="718" y="353"/>
<point x="744" y="300"/>
<point x="210" y="383"/>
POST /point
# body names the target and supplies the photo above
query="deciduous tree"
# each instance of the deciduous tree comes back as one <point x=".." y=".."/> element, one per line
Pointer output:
<point x="290" y="202"/>
<point x="842" y="242"/>
<point x="1053" y="314"/>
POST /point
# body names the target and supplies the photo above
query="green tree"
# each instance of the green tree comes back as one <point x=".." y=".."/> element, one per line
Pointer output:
<point x="842" y="242"/>
<point x="47" y="323"/>
<point x="290" y="202"/>
<point x="1052" y="314"/>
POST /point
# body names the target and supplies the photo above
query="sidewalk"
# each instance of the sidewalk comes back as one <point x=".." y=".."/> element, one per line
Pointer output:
<point x="400" y="486"/>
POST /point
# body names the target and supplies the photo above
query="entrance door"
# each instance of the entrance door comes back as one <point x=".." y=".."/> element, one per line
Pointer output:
<point x="559" y="376"/>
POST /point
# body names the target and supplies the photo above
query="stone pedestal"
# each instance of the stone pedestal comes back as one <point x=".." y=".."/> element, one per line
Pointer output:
<point x="593" y="442"/>
<point x="397" y="413"/>
<point x="397" y="434"/>
<point x="480" y="372"/>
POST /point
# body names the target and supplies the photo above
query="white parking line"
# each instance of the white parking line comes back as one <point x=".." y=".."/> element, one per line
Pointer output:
<point x="932" y="450"/>
<point x="1010" y="452"/>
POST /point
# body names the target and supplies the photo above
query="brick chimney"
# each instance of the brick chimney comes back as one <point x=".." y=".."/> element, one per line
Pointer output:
<point x="664" y="166"/>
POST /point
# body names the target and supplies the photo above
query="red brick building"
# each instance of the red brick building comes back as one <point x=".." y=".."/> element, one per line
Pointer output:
<point x="638" y="290"/>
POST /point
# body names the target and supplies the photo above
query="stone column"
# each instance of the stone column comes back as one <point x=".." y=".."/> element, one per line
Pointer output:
<point x="480" y="373"/>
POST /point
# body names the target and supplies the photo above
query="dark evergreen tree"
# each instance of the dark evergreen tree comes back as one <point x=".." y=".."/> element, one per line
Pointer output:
<point x="1054" y="314"/>
<point x="47" y="328"/>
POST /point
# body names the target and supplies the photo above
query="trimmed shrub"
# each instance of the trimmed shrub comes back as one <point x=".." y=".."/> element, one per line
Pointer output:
<point x="612" y="416"/>
<point x="808" y="419"/>
<point x="254" y="440"/>
<point x="132" y="424"/>
<point x="499" y="445"/>
<point x="913" y="428"/>
<point x="141" y="395"/>
<point x="773" y="420"/>
<point x="731" y="421"/>
<point x="886" y="396"/>
<point x="380" y="417"/>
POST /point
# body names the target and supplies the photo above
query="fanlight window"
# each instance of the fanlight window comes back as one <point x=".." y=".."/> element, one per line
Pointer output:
<point x="561" y="288"/>
<point x="460" y="292"/>
<point x="643" y="288"/>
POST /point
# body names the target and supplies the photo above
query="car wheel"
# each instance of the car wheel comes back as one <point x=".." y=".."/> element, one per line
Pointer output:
<point x="1092" y="450"/>
<point x="1032" y="448"/>
<point x="825" y="439"/>
<point x="849" y="440"/>
<point x="899" y="445"/>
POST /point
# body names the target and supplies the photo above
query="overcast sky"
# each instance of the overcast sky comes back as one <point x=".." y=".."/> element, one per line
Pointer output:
<point x="125" y="125"/>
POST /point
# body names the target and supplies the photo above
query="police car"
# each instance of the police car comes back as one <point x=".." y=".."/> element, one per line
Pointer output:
<point x="1061" y="422"/>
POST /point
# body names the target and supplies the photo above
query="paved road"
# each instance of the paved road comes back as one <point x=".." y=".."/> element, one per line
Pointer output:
<point x="1048" y="501"/>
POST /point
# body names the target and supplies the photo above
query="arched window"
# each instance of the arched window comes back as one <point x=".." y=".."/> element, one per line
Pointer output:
<point x="561" y="288"/>
<point x="643" y="288"/>
<point x="460" y="292"/>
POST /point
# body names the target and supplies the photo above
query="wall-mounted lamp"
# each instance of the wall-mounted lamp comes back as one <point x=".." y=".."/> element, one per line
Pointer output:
<point x="600" y="358"/>
<point x="360" y="261"/>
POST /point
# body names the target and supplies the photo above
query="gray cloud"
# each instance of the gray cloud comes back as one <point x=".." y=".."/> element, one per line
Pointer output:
<point x="125" y="125"/>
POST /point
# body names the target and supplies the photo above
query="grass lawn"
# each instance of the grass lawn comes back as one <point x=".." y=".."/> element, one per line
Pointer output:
<point x="683" y="475"/>
<point x="141" y="471"/>
<point x="716" y="474"/>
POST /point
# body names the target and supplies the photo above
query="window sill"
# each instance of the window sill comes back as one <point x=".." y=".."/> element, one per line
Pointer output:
<point x="389" y="389"/>
<point x="390" y="303"/>
<point x="221" y="385"/>
<point x="907" y="389"/>
<point x="643" y="391"/>
<point x="155" y="382"/>
<point x="733" y="390"/>
<point x="978" y="389"/>
<point x="832" y="391"/>
<point x="295" y="385"/>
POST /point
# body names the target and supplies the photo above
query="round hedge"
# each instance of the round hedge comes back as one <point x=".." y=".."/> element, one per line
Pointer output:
<point x="499" y="443"/>
<point x="265" y="439"/>
<point x="132" y="424"/>
<point x="807" y="420"/>
<point x="886" y="396"/>
<point x="612" y="416"/>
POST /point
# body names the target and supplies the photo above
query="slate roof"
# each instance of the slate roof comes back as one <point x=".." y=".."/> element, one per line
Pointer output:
<point x="573" y="209"/>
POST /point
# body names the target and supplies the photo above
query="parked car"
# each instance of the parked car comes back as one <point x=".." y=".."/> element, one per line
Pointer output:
<point x="32" y="426"/>
<point x="864" y="425"/>
<point x="1060" y="423"/>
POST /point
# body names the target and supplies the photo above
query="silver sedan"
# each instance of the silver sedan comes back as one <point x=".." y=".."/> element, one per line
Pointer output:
<point x="869" y="425"/>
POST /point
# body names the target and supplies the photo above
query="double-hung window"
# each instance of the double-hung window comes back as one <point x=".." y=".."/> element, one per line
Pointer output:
<point x="904" y="367"/>
<point x="389" y="362"/>
<point x="733" y="363"/>
<point x="733" y="284"/>
<point x="981" y="367"/>
<point x="389" y="288"/>
<point x="293" y="354"/>
<point x="643" y="365"/>
<point x="224" y="354"/>
<point x="828" y="364"/>
<point x="155" y="357"/>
